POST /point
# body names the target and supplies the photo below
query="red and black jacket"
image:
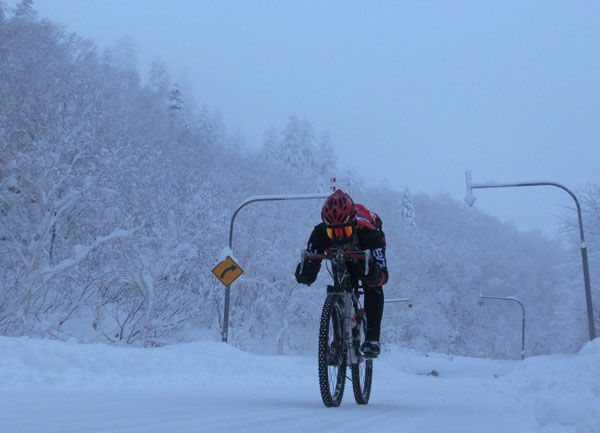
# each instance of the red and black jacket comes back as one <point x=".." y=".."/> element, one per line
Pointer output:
<point x="367" y="236"/>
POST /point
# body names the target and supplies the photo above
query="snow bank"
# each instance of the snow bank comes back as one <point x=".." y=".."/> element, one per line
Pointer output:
<point x="563" y="390"/>
<point x="444" y="365"/>
<point x="554" y="393"/>
<point x="26" y="362"/>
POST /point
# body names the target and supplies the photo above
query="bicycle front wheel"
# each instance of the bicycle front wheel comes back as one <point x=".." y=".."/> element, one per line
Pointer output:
<point x="362" y="372"/>
<point x="332" y="357"/>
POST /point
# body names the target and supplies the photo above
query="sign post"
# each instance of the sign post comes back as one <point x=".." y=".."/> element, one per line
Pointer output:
<point x="227" y="272"/>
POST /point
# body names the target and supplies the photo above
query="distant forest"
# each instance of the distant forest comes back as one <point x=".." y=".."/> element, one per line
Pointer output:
<point x="116" y="193"/>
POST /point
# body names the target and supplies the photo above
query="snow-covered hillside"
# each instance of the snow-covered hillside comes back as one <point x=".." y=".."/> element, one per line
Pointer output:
<point x="117" y="192"/>
<point x="50" y="386"/>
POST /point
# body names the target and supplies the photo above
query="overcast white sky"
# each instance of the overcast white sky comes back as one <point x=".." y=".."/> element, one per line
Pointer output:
<point x="414" y="93"/>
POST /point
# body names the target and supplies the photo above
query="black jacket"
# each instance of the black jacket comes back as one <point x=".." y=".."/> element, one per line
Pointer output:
<point x="366" y="236"/>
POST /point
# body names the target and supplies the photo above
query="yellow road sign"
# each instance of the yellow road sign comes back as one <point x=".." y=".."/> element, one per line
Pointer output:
<point x="227" y="271"/>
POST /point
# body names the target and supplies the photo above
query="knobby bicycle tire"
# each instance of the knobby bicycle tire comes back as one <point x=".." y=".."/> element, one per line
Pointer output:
<point x="332" y="358"/>
<point x="362" y="373"/>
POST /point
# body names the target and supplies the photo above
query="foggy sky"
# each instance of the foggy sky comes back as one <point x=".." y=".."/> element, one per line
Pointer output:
<point x="412" y="93"/>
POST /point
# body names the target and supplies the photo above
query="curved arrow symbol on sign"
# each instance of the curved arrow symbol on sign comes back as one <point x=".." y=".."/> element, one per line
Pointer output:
<point x="231" y="268"/>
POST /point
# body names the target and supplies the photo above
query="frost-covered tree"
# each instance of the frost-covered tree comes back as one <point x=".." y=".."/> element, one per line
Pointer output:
<point x="407" y="210"/>
<point x="159" y="80"/>
<point x="112" y="216"/>
<point x="25" y="10"/>
<point x="298" y="149"/>
<point x="123" y="55"/>
<point x="297" y="145"/>
<point x="175" y="101"/>
<point x="51" y="163"/>
<point x="209" y="128"/>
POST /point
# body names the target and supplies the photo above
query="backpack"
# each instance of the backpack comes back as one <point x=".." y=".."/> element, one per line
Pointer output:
<point x="366" y="217"/>
<point x="369" y="219"/>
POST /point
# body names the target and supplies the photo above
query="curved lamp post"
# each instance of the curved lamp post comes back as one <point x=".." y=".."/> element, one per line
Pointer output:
<point x="511" y="298"/>
<point x="470" y="199"/>
<point x="253" y="199"/>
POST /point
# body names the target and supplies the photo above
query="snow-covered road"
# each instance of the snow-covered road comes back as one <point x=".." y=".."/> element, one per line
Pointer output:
<point x="50" y="386"/>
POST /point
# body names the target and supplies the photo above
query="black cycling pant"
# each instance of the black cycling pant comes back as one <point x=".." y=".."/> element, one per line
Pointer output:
<point x="373" y="311"/>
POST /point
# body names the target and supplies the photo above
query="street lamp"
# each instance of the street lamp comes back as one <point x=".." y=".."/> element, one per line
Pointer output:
<point x="511" y="298"/>
<point x="470" y="199"/>
<point x="253" y="199"/>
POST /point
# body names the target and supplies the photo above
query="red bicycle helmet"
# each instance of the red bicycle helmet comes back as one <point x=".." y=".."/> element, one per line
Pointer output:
<point x="338" y="209"/>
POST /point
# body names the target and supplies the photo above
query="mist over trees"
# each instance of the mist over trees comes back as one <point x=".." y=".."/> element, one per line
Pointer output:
<point x="116" y="195"/>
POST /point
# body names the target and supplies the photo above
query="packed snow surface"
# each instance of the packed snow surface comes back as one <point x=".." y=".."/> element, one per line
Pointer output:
<point x="60" y="387"/>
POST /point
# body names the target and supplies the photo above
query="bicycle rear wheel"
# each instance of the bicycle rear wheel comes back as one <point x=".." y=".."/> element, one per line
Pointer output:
<point x="332" y="357"/>
<point x="362" y="373"/>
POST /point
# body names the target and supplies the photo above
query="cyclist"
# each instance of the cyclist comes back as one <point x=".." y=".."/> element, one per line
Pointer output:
<point x="343" y="227"/>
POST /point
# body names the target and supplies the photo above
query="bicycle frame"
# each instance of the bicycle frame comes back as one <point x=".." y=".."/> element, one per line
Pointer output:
<point x="350" y="299"/>
<point x="343" y="327"/>
<point x="347" y="288"/>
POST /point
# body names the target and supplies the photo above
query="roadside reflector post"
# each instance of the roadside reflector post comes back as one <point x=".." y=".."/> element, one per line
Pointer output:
<point x="395" y="300"/>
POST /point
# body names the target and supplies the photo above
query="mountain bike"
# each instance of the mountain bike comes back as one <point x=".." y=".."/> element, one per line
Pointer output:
<point x="343" y="327"/>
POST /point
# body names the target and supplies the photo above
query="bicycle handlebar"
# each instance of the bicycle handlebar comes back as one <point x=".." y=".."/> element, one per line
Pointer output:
<point x="352" y="255"/>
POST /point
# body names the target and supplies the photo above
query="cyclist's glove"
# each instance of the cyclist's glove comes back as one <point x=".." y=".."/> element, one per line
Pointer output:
<point x="309" y="272"/>
<point x="374" y="277"/>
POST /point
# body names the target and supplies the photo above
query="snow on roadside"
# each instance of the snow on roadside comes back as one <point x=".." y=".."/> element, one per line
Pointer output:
<point x="560" y="392"/>
<point x="26" y="362"/>
<point x="445" y="365"/>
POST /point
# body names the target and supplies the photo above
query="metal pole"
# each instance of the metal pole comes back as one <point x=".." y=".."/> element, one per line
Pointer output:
<point x="389" y="301"/>
<point x="256" y="198"/>
<point x="586" y="273"/>
<point x="511" y="298"/>
<point x="246" y="202"/>
<point x="226" y="316"/>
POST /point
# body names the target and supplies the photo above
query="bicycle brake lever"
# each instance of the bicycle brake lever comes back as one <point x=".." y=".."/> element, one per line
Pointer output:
<point x="302" y="258"/>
